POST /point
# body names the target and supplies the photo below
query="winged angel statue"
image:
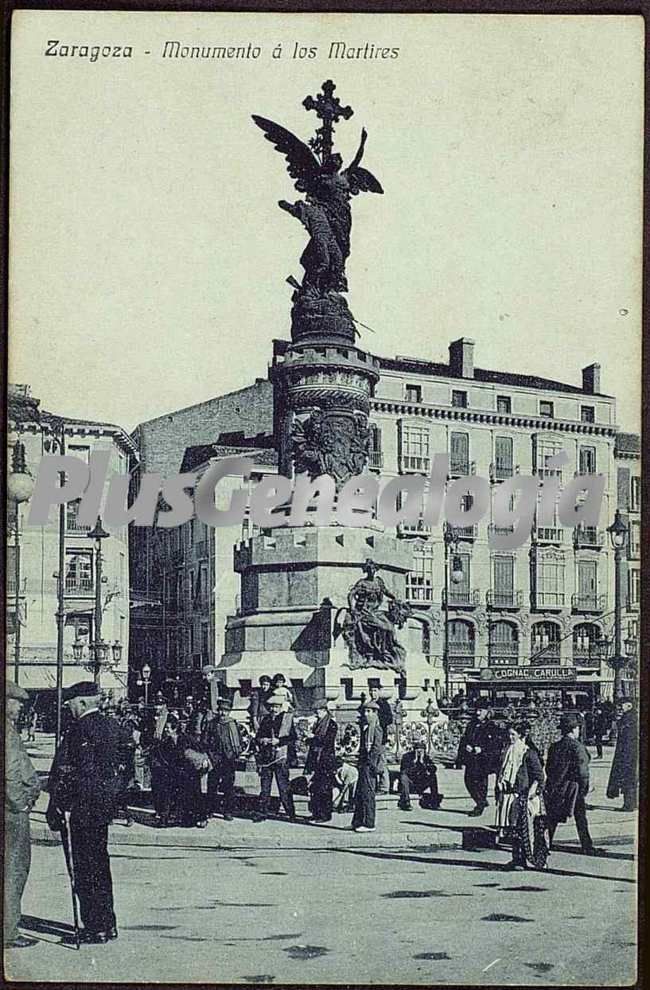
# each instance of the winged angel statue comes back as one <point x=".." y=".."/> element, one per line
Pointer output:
<point x="328" y="187"/>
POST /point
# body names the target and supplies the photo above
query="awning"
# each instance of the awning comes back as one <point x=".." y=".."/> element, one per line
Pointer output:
<point x="42" y="677"/>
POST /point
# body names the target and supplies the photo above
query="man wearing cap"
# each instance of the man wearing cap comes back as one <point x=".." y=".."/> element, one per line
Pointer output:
<point x="224" y="746"/>
<point x="22" y="788"/>
<point x="276" y="753"/>
<point x="385" y="715"/>
<point x="477" y="752"/>
<point x="321" y="763"/>
<point x="370" y="753"/>
<point x="567" y="782"/>
<point x="85" y="781"/>
<point x="418" y="770"/>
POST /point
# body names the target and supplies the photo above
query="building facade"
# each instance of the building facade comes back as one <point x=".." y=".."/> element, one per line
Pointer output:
<point x="530" y="617"/>
<point x="32" y="605"/>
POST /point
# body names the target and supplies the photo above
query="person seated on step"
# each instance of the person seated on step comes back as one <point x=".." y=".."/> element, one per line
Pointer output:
<point x="418" y="771"/>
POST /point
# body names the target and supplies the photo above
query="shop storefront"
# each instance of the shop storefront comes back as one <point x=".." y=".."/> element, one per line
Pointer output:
<point x="567" y="686"/>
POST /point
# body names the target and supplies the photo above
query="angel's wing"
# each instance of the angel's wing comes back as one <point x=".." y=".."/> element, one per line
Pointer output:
<point x="303" y="166"/>
<point x="361" y="180"/>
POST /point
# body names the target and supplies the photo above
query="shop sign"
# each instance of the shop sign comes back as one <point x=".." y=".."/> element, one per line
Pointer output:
<point x="535" y="674"/>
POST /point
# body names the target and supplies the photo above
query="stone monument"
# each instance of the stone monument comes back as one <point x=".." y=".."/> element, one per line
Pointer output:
<point x="307" y="610"/>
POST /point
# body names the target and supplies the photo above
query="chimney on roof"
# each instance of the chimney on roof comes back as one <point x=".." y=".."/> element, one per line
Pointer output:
<point x="591" y="379"/>
<point x="461" y="357"/>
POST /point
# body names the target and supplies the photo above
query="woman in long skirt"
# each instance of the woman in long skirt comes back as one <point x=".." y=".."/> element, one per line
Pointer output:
<point x="520" y="811"/>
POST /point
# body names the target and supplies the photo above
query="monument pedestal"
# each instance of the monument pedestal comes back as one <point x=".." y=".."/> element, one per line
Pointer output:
<point x="294" y="596"/>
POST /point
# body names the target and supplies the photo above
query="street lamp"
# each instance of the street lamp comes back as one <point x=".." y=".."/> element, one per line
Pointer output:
<point x="450" y="538"/>
<point x="20" y="486"/>
<point x="99" y="648"/>
<point x="430" y="714"/>
<point x="144" y="681"/>
<point x="618" y="533"/>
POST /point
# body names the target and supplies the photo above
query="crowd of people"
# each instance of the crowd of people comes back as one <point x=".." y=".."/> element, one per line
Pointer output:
<point x="193" y="754"/>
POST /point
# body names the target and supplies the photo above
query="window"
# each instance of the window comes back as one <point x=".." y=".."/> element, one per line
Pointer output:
<point x="546" y="409"/>
<point x="205" y="641"/>
<point x="545" y="640"/>
<point x="502" y="458"/>
<point x="72" y="523"/>
<point x="503" y="593"/>
<point x="543" y="450"/>
<point x="78" y="627"/>
<point x="586" y="637"/>
<point x="634" y="587"/>
<point x="415" y="449"/>
<point x="635" y="538"/>
<point x="635" y="494"/>
<point x="587" y="460"/>
<point x="375" y="455"/>
<point x="549" y="580"/>
<point x="11" y="571"/>
<point x="461" y="643"/>
<point x="587" y="597"/>
<point x="504" y="404"/>
<point x="459" y="453"/>
<point x="79" y="572"/>
<point x="504" y="643"/>
<point x="419" y="581"/>
<point x="587" y="414"/>
<point x="78" y="450"/>
<point x="459" y="590"/>
<point x="413" y="393"/>
<point x="459" y="399"/>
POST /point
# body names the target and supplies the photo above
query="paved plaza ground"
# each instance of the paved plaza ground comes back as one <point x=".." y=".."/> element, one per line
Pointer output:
<point x="419" y="901"/>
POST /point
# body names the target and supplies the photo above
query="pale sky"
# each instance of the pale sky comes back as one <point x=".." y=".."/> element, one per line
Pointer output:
<point x="148" y="256"/>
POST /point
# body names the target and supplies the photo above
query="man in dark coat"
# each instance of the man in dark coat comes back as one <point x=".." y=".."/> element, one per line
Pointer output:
<point x="600" y="728"/>
<point x="385" y="715"/>
<point x="418" y="770"/>
<point x="370" y="753"/>
<point x="22" y="788"/>
<point x="479" y="753"/>
<point x="86" y="782"/>
<point x="623" y="777"/>
<point x="567" y="782"/>
<point x="276" y="753"/>
<point x="321" y="763"/>
<point x="224" y="746"/>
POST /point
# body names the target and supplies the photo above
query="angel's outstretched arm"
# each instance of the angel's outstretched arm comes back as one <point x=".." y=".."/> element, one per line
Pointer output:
<point x="359" y="155"/>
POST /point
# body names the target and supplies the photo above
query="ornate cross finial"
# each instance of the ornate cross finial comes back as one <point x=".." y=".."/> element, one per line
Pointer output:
<point x="328" y="109"/>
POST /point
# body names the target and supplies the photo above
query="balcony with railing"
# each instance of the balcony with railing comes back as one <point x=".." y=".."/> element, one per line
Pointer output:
<point x="79" y="585"/>
<point x="502" y="470"/>
<point x="375" y="460"/>
<point x="547" y="599"/>
<point x="588" y="536"/>
<point x="494" y="530"/>
<point x="463" y="597"/>
<point x="503" y="654"/>
<point x="586" y="655"/>
<point x="418" y="528"/>
<point x="418" y="463"/>
<point x="461" y="467"/>
<point x="547" y="472"/>
<point x="466" y="532"/>
<point x="588" y="602"/>
<point x="461" y="654"/>
<point x="72" y="523"/>
<point x="548" y="534"/>
<point x="510" y="598"/>
<point x="549" y="653"/>
<point x="419" y="591"/>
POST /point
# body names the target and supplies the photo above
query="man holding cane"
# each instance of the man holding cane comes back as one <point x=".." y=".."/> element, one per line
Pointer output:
<point x="85" y="786"/>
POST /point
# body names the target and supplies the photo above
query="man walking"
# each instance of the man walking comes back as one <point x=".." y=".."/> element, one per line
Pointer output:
<point x="370" y="751"/>
<point x="86" y="782"/>
<point x="224" y="746"/>
<point x="22" y="788"/>
<point x="567" y="782"/>
<point x="477" y="752"/>
<point x="418" y="770"/>
<point x="276" y="753"/>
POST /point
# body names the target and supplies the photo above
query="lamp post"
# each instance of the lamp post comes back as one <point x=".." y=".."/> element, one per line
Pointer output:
<point x="144" y="682"/>
<point x="99" y="648"/>
<point x="430" y="715"/>
<point x="450" y="539"/>
<point x="618" y="533"/>
<point x="19" y="489"/>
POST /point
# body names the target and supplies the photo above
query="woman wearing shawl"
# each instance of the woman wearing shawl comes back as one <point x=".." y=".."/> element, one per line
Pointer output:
<point x="321" y="764"/>
<point x="520" y="812"/>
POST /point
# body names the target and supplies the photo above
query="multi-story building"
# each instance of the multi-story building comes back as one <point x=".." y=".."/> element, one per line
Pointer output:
<point x="533" y="616"/>
<point x="627" y="453"/>
<point x="32" y="661"/>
